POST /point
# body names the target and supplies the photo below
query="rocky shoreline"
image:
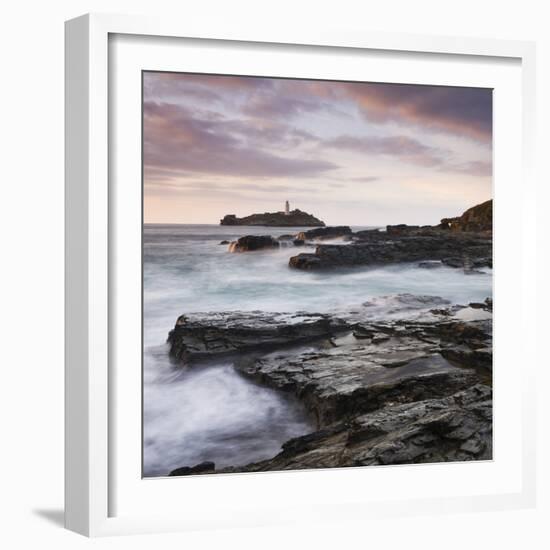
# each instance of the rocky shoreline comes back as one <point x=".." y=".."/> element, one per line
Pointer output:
<point x="408" y="383"/>
<point x="464" y="242"/>
<point x="404" y="390"/>
<point x="453" y="249"/>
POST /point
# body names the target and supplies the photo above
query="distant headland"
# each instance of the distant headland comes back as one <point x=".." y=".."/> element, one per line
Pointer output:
<point x="287" y="218"/>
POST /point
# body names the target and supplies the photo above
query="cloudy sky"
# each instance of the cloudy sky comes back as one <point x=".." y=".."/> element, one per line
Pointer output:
<point x="348" y="152"/>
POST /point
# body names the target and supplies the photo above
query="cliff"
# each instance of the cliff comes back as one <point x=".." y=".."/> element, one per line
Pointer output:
<point x="477" y="218"/>
<point x="295" y="218"/>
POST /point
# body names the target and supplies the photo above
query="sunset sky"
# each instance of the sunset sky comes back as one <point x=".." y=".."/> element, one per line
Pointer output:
<point x="349" y="153"/>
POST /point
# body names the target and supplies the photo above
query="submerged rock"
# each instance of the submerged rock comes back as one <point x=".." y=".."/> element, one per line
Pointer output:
<point x="400" y="305"/>
<point x="453" y="262"/>
<point x="430" y="264"/>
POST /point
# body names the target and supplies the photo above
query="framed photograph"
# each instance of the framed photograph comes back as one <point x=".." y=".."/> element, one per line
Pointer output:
<point x="296" y="276"/>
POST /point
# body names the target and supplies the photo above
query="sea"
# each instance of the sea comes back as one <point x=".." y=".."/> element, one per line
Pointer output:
<point x="212" y="413"/>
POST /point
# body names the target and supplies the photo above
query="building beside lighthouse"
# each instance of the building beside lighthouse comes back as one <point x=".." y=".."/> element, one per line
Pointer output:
<point x="287" y="208"/>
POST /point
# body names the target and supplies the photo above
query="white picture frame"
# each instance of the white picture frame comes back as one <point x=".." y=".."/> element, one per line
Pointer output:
<point x="92" y="218"/>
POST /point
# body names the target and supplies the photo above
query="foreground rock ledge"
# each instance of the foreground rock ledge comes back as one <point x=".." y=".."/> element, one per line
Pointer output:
<point x="382" y="391"/>
<point x="205" y="335"/>
<point x="453" y="428"/>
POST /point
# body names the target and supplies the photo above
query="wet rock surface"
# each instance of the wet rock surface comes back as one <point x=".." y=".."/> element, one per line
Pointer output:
<point x="452" y="428"/>
<point x="414" y="388"/>
<point x="463" y="242"/>
<point x="206" y="335"/>
<point x="453" y="249"/>
<point x="335" y="385"/>
<point x="250" y="243"/>
<point x="322" y="233"/>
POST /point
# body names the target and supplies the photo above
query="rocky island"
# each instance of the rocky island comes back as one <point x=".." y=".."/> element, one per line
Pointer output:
<point x="287" y="218"/>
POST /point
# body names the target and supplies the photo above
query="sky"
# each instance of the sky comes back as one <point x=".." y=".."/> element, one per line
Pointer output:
<point x="353" y="153"/>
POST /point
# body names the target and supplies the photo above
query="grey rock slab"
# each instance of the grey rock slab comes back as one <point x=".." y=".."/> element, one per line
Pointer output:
<point x="203" y="335"/>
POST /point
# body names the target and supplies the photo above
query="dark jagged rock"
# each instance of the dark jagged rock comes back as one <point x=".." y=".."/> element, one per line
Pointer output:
<point x="202" y="468"/>
<point x="250" y="243"/>
<point x="306" y="261"/>
<point x="457" y="427"/>
<point x="295" y="218"/>
<point x="340" y="383"/>
<point x="203" y="335"/>
<point x="224" y="242"/>
<point x="323" y="233"/>
<point x="464" y="242"/>
<point x="380" y="361"/>
<point x="383" y="390"/>
<point x="452" y="249"/>
<point x="453" y="262"/>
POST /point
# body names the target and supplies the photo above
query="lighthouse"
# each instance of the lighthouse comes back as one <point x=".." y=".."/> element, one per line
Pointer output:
<point x="287" y="208"/>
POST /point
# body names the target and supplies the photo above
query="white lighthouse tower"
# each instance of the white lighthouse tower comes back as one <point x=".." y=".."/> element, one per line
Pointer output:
<point x="287" y="208"/>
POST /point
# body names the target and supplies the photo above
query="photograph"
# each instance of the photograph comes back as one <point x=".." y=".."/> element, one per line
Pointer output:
<point x="317" y="274"/>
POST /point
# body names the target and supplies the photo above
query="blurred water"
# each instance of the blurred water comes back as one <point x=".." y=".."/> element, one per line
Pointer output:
<point x="213" y="413"/>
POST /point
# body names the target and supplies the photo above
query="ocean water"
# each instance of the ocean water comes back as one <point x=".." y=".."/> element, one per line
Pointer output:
<point x="212" y="412"/>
